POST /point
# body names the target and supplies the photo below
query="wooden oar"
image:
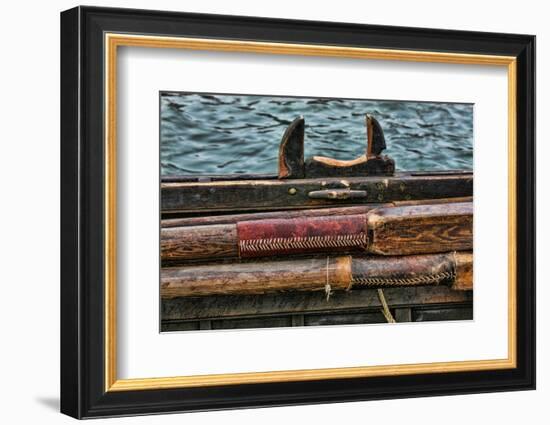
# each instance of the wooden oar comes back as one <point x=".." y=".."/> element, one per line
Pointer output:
<point x="318" y="274"/>
<point x="401" y="230"/>
<point x="317" y="212"/>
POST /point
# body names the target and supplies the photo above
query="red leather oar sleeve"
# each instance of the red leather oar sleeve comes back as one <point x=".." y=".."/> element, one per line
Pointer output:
<point x="260" y="238"/>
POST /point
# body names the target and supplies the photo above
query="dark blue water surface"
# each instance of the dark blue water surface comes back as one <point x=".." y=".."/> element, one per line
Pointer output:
<point x="223" y="134"/>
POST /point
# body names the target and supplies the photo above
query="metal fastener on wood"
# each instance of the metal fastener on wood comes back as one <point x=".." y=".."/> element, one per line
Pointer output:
<point x="337" y="194"/>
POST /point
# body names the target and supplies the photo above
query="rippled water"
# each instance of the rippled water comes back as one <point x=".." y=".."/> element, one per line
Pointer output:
<point x="221" y="134"/>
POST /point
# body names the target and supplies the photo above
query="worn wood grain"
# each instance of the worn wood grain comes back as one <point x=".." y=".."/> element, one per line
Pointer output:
<point x="369" y="164"/>
<point x="464" y="271"/>
<point x="401" y="230"/>
<point x="235" y="218"/>
<point x="187" y="197"/>
<point x="428" y="201"/>
<point x="454" y="311"/>
<point x="407" y="270"/>
<point x="190" y="178"/>
<point x="319" y="166"/>
<point x="352" y="318"/>
<point x="421" y="229"/>
<point x="314" y="274"/>
<point x="227" y="306"/>
<point x="202" y="220"/>
<point x="187" y="178"/>
<point x="256" y="278"/>
<point x="200" y="242"/>
<point x="291" y="151"/>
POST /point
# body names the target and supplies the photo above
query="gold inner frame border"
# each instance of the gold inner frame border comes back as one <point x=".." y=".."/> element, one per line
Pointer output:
<point x="111" y="43"/>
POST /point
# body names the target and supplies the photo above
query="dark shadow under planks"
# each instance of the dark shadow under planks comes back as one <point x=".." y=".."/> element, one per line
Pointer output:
<point x="463" y="312"/>
<point x="230" y="306"/>
<point x="354" y="318"/>
<point x="373" y="315"/>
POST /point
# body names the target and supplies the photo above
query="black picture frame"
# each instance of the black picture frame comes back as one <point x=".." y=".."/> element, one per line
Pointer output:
<point x="83" y="392"/>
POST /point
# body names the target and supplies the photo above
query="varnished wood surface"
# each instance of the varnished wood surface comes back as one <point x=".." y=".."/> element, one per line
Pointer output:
<point x="464" y="271"/>
<point x="421" y="229"/>
<point x="256" y="278"/>
<point x="201" y="242"/>
<point x="406" y="270"/>
<point x="395" y="230"/>
<point x="235" y="218"/>
<point x="315" y="274"/>
<point x="320" y="166"/>
<point x="391" y="199"/>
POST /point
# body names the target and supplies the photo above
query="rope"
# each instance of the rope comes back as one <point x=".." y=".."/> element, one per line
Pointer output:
<point x="327" y="285"/>
<point x="385" y="309"/>
<point x="305" y="242"/>
<point x="432" y="279"/>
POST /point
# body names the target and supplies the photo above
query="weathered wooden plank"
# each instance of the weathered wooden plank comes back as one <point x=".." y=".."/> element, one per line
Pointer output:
<point x="291" y="194"/>
<point x="421" y="229"/>
<point x="226" y="306"/>
<point x="189" y="178"/>
<point x="429" y="201"/>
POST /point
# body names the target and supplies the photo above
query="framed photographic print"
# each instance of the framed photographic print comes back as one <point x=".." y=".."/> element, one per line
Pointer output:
<point x="261" y="212"/>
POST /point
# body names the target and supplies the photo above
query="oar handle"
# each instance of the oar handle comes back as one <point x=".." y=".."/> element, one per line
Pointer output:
<point x="318" y="274"/>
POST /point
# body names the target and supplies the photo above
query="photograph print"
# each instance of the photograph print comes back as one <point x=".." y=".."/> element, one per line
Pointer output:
<point x="301" y="211"/>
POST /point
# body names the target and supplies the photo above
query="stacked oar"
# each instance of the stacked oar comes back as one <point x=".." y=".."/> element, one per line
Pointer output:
<point x="334" y="249"/>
